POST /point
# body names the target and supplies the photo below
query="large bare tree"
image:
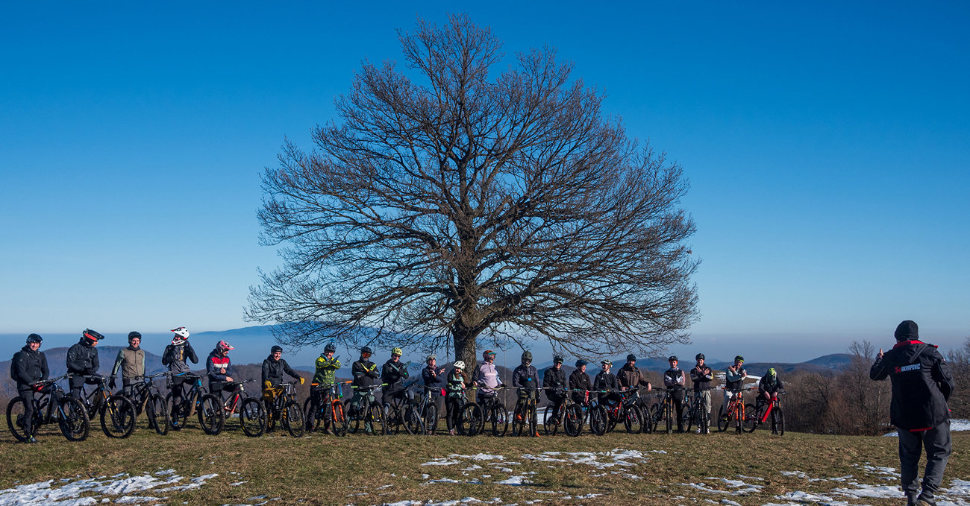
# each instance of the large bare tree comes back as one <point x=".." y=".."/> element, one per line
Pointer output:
<point x="457" y="201"/>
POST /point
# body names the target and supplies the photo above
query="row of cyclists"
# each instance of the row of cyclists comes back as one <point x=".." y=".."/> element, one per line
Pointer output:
<point x="30" y="372"/>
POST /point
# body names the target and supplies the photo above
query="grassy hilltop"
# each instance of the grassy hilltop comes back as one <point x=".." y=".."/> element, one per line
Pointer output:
<point x="685" y="468"/>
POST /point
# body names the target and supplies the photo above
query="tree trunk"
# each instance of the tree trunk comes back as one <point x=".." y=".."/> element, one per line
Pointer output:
<point x="465" y="350"/>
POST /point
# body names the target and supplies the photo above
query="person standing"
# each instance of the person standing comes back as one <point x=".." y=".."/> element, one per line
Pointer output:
<point x="702" y="376"/>
<point x="554" y="383"/>
<point x="734" y="379"/>
<point x="579" y="384"/>
<point x="176" y="356"/>
<point x="28" y="367"/>
<point x="131" y="361"/>
<point x="323" y="389"/>
<point x="921" y="386"/>
<point x="82" y="360"/>
<point x="674" y="381"/>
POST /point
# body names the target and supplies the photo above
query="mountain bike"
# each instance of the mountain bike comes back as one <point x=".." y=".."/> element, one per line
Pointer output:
<point x="698" y="413"/>
<point x="428" y="407"/>
<point x="733" y="412"/>
<point x="578" y="412"/>
<point x="65" y="410"/>
<point x="688" y="413"/>
<point x="329" y="408"/>
<point x="471" y="418"/>
<point x="368" y="415"/>
<point x="525" y="413"/>
<point x="207" y="406"/>
<point x="628" y="412"/>
<point x="662" y="410"/>
<point x="764" y="409"/>
<point x="146" y="397"/>
<point x="494" y="414"/>
<point x="554" y="415"/>
<point x="252" y="416"/>
<point x="285" y="409"/>
<point x="403" y="412"/>
<point x="117" y="413"/>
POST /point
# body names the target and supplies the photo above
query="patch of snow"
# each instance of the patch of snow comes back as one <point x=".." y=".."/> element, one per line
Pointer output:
<point x="515" y="481"/>
<point x="796" y="474"/>
<point x="800" y="496"/>
<point x="441" y="461"/>
<point x="123" y="486"/>
<point x="871" y="491"/>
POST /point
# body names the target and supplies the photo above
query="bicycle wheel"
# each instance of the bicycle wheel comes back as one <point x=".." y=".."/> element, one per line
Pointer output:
<point x="15" y="419"/>
<point x="668" y="416"/>
<point x="518" y="420"/>
<point x="412" y="420"/>
<point x="598" y="420"/>
<point x="778" y="417"/>
<point x="312" y="419"/>
<point x="533" y="417"/>
<point x="375" y="417"/>
<point x="633" y="419"/>
<point x="654" y="416"/>
<point x="178" y="414"/>
<point x="339" y="421"/>
<point x="252" y="417"/>
<point x="470" y="420"/>
<point x="292" y="419"/>
<point x="499" y="418"/>
<point x="550" y="420"/>
<point x="73" y="419"/>
<point x="690" y="411"/>
<point x="157" y="412"/>
<point x="573" y="420"/>
<point x="722" y="419"/>
<point x="752" y="417"/>
<point x="356" y="420"/>
<point x="211" y="417"/>
<point x="431" y="418"/>
<point x="118" y="417"/>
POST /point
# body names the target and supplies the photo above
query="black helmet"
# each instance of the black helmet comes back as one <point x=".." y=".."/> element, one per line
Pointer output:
<point x="699" y="356"/>
<point x="133" y="334"/>
<point x="557" y="359"/>
<point x="91" y="335"/>
<point x="739" y="358"/>
<point x="672" y="358"/>
<point x="330" y="347"/>
<point x="631" y="358"/>
<point x="276" y="348"/>
<point x="526" y="355"/>
<point x="34" y="338"/>
<point x="580" y="363"/>
<point x="366" y="349"/>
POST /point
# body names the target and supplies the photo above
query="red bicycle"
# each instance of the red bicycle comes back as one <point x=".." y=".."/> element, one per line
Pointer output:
<point x="762" y="411"/>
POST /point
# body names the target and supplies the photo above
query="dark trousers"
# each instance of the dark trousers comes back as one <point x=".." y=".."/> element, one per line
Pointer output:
<point x="320" y="398"/>
<point x="677" y="395"/>
<point x="454" y="411"/>
<point x="936" y="441"/>
<point x="28" y="395"/>
<point x="77" y="385"/>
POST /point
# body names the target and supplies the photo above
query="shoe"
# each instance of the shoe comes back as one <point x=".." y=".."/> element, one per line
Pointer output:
<point x="926" y="498"/>
<point x="31" y="439"/>
<point x="451" y="432"/>
<point x="698" y="430"/>
<point x="708" y="431"/>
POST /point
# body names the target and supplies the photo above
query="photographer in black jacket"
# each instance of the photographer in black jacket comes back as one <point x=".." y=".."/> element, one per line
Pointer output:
<point x="921" y="385"/>
<point x="28" y="367"/>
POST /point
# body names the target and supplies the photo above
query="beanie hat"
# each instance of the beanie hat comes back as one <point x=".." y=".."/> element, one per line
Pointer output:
<point x="907" y="331"/>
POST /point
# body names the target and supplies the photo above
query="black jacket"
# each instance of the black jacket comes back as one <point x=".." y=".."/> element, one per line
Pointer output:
<point x="432" y="379"/>
<point x="702" y="379"/>
<point x="525" y="377"/>
<point x="394" y="374"/>
<point x="28" y="366"/>
<point x="554" y="379"/>
<point x="365" y="374"/>
<point x="766" y="386"/>
<point x="176" y="357"/>
<point x="273" y="371"/>
<point x="82" y="358"/>
<point x="606" y="381"/>
<point x="579" y="380"/>
<point x="921" y="384"/>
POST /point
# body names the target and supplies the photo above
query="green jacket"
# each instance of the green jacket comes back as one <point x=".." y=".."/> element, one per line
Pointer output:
<point x="326" y="374"/>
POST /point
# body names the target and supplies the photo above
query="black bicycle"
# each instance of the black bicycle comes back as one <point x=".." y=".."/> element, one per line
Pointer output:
<point x="698" y="414"/>
<point x="207" y="406"/>
<point x="428" y="407"/>
<point x="403" y="412"/>
<point x="145" y="396"/>
<point x="286" y="410"/>
<point x="53" y="406"/>
<point x="368" y="415"/>
<point x="662" y="410"/>
<point x="494" y="414"/>
<point x="328" y="410"/>
<point x="117" y="413"/>
<point x="578" y="412"/>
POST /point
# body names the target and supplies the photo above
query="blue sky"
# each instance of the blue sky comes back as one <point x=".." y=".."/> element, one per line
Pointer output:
<point x="827" y="146"/>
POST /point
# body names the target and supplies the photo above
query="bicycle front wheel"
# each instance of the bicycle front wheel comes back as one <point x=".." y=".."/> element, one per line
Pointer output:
<point x="633" y="419"/>
<point x="157" y="411"/>
<point x="73" y="419"/>
<point x="499" y="418"/>
<point x="550" y="420"/>
<point x="118" y="417"/>
<point x="573" y="420"/>
<point x="598" y="421"/>
<point x="518" y="420"/>
<point x="778" y="416"/>
<point x="722" y="419"/>
<point x="470" y="420"/>
<point x="376" y="420"/>
<point x="431" y="418"/>
<point x="252" y="417"/>
<point x="752" y="417"/>
<point x="211" y="417"/>
<point x="412" y="420"/>
<point x="339" y="420"/>
<point x="293" y="419"/>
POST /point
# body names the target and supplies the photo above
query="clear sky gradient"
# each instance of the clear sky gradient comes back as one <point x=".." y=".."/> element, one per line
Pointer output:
<point x="827" y="145"/>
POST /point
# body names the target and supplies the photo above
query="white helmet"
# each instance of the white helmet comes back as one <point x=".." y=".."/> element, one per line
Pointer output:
<point x="181" y="332"/>
<point x="460" y="365"/>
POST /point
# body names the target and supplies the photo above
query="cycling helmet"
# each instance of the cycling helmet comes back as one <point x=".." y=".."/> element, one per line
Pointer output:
<point x="92" y="335"/>
<point x="459" y="365"/>
<point x="224" y="346"/>
<point x="672" y="358"/>
<point x="34" y="338"/>
<point x="133" y="334"/>
<point x="487" y="354"/>
<point x="181" y="332"/>
<point x="397" y="351"/>
<point x="698" y="356"/>
<point x="330" y="348"/>
<point x="631" y="358"/>
<point x="526" y="355"/>
<point x="606" y="361"/>
<point x="771" y="372"/>
<point x="367" y="350"/>
<point x="276" y="348"/>
<point x="580" y="363"/>
<point x="739" y="358"/>
<point x="557" y="359"/>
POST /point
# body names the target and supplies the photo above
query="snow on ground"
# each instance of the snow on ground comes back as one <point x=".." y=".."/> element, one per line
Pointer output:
<point x="956" y="425"/>
<point x="120" y="488"/>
